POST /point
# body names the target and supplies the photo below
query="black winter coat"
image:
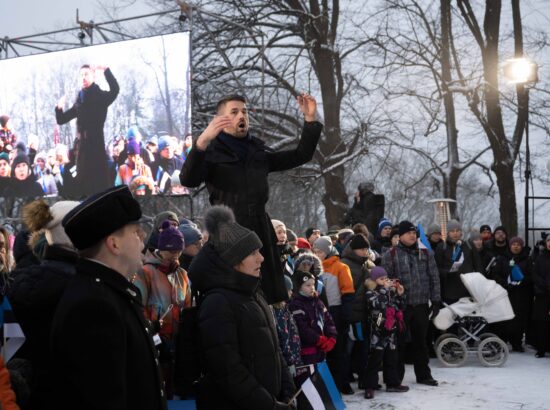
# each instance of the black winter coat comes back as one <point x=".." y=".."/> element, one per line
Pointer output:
<point x="243" y="186"/>
<point x="481" y="258"/>
<point x="28" y="188"/>
<point x="541" y="279"/>
<point x="105" y="358"/>
<point x="90" y="111"/>
<point x="34" y="296"/>
<point x="497" y="250"/>
<point x="359" y="274"/>
<point x="452" y="287"/>
<point x="244" y="366"/>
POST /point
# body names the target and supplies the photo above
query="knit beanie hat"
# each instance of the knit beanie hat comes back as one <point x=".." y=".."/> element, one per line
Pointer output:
<point x="344" y="234"/>
<point x="190" y="234"/>
<point x="433" y="228"/>
<point x="484" y="228"/>
<point x="378" y="272"/>
<point x="133" y="148"/>
<point x="501" y="228"/>
<point x="309" y="231"/>
<point x="232" y="241"/>
<point x="133" y="133"/>
<point x="324" y="244"/>
<point x="4" y="157"/>
<point x="518" y="240"/>
<point x="404" y="227"/>
<point x="302" y="243"/>
<point x="358" y="241"/>
<point x="291" y="236"/>
<point x="453" y="224"/>
<point x="299" y="278"/>
<point x="153" y="240"/>
<point x="276" y="223"/>
<point x="20" y="159"/>
<point x="170" y="238"/>
<point x="38" y="215"/>
<point x="382" y="224"/>
<point x="165" y="141"/>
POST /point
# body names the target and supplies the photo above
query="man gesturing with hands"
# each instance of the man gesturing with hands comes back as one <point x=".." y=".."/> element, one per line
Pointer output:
<point x="234" y="166"/>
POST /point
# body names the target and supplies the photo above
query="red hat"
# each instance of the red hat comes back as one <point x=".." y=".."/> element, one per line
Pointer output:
<point x="302" y="243"/>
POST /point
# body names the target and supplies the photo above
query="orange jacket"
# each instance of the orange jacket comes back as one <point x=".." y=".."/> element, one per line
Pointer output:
<point x="341" y="271"/>
<point x="7" y="396"/>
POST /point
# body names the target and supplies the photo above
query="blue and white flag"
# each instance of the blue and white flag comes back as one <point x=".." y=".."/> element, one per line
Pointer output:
<point x="13" y="337"/>
<point x="321" y="391"/>
<point x="423" y="242"/>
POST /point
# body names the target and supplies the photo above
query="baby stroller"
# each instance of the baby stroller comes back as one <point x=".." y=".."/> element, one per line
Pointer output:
<point x="488" y="303"/>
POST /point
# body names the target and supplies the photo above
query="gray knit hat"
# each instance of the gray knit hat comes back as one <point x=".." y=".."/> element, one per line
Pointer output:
<point x="453" y="224"/>
<point x="232" y="241"/>
<point x="433" y="228"/>
<point x="323" y="243"/>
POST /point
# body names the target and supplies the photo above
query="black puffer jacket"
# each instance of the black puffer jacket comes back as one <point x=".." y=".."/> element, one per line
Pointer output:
<point x="452" y="287"/>
<point x="244" y="367"/>
<point x="359" y="275"/>
<point x="34" y="296"/>
<point x="541" y="279"/>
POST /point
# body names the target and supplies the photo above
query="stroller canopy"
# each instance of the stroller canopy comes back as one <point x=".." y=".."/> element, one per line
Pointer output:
<point x="490" y="300"/>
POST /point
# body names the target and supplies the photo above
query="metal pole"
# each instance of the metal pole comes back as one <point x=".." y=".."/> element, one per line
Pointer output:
<point x="527" y="171"/>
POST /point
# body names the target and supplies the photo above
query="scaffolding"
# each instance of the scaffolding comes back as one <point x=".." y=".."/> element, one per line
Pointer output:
<point x="88" y="33"/>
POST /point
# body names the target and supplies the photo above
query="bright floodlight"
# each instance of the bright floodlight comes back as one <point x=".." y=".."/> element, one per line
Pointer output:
<point x="521" y="71"/>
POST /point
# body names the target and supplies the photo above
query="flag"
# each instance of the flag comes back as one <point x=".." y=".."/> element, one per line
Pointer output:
<point x="423" y="242"/>
<point x="321" y="391"/>
<point x="13" y="337"/>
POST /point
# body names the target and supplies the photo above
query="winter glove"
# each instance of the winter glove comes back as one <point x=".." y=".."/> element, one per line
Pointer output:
<point x="328" y="345"/>
<point x="434" y="309"/>
<point x="321" y="341"/>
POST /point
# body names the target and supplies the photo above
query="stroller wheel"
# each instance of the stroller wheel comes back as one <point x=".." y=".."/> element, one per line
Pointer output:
<point x="492" y="352"/>
<point x="484" y="336"/>
<point x="452" y="352"/>
<point x="443" y="337"/>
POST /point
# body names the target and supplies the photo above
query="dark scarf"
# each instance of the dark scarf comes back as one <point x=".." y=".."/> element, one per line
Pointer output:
<point x="238" y="145"/>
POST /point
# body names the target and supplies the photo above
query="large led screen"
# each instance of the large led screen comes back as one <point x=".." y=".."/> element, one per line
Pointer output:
<point x="75" y="122"/>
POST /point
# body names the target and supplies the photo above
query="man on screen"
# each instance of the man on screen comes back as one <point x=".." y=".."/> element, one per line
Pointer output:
<point x="90" y="111"/>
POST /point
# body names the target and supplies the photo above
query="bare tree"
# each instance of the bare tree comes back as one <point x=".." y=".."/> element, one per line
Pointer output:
<point x="487" y="107"/>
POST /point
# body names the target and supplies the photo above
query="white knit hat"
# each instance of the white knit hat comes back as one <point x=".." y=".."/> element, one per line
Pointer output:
<point x="54" y="231"/>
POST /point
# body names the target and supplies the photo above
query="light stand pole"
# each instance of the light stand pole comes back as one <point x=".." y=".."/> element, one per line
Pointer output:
<point x="522" y="71"/>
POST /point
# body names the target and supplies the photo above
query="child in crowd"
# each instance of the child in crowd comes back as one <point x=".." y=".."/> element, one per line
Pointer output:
<point x="287" y="331"/>
<point x="385" y="304"/>
<point x="315" y="325"/>
<point x="340" y="295"/>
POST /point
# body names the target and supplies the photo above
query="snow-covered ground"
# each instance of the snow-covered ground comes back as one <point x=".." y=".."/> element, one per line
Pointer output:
<point x="522" y="383"/>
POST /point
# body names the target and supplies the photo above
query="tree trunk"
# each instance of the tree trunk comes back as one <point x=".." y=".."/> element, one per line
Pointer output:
<point x="507" y="197"/>
<point x="450" y="179"/>
<point x="503" y="165"/>
<point x="335" y="199"/>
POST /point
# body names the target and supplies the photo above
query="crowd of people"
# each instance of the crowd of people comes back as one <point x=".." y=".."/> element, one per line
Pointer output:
<point x="148" y="167"/>
<point x="360" y="301"/>
<point x="238" y="313"/>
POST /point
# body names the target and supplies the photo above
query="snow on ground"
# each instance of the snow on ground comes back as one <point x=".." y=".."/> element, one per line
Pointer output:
<point x="522" y="383"/>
